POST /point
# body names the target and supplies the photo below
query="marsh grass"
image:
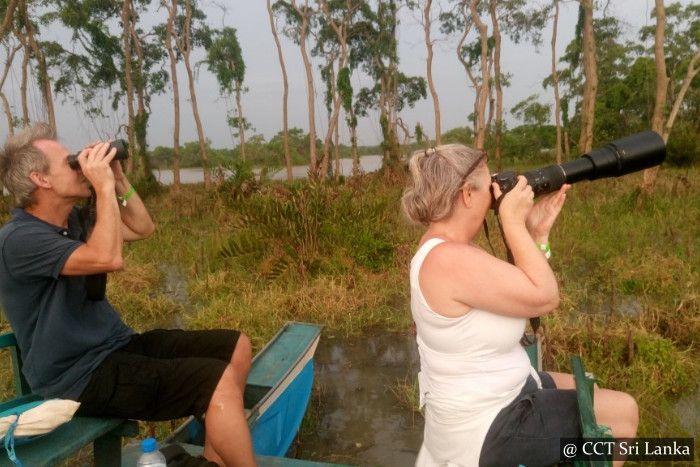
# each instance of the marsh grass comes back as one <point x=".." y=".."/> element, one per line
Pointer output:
<point x="338" y="255"/>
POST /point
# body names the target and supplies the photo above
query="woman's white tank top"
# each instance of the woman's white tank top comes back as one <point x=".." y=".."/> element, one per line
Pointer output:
<point x="471" y="367"/>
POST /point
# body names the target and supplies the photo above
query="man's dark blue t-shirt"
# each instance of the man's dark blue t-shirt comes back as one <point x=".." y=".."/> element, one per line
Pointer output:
<point x="62" y="335"/>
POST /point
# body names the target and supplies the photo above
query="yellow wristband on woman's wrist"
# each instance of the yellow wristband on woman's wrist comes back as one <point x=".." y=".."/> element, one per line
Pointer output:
<point x="545" y="248"/>
<point x="126" y="195"/>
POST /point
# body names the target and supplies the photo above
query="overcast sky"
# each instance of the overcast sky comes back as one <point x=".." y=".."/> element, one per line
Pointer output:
<point x="262" y="103"/>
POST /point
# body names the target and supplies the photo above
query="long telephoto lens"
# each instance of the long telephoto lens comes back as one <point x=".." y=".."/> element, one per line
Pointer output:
<point x="623" y="156"/>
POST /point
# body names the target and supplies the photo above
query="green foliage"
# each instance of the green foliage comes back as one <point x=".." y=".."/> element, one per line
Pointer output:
<point x="532" y="112"/>
<point x="225" y="59"/>
<point x="239" y="178"/>
<point x="462" y="135"/>
<point x="529" y="144"/>
<point x="683" y="148"/>
<point x="308" y="229"/>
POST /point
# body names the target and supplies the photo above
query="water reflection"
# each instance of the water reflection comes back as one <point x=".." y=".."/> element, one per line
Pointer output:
<point x="360" y="420"/>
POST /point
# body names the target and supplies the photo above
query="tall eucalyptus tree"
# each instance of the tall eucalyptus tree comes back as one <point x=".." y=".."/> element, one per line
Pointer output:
<point x="518" y="20"/>
<point x="91" y="66"/>
<point x="555" y="81"/>
<point x="678" y="38"/>
<point x="225" y="61"/>
<point x="8" y="42"/>
<point x="285" y="96"/>
<point x="24" y="22"/>
<point x="590" y="71"/>
<point x="427" y="29"/>
<point x="335" y="31"/>
<point x="29" y="30"/>
<point x="146" y="75"/>
<point x="473" y="55"/>
<point x="191" y="31"/>
<point x="167" y="34"/>
<point x="299" y="19"/>
<point x="375" y="49"/>
<point x="7" y="11"/>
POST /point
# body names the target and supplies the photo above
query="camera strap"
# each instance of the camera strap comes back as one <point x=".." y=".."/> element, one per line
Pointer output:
<point x="535" y="321"/>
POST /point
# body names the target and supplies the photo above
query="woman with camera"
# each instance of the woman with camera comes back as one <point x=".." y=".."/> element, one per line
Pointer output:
<point x="484" y="404"/>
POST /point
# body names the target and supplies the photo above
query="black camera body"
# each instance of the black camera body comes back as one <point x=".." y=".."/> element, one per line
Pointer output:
<point x="122" y="153"/>
<point x="623" y="156"/>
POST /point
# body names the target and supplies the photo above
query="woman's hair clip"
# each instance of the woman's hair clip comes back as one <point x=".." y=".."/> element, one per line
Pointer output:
<point x="432" y="152"/>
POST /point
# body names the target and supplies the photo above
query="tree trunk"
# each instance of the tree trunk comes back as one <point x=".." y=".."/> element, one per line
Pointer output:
<point x="342" y="100"/>
<point x="336" y="152"/>
<point x="25" y="78"/>
<point x="690" y="75"/>
<point x="285" y="122"/>
<point x="9" y="16"/>
<point x="353" y="142"/>
<point x="126" y="24"/>
<point x="590" y="86"/>
<point x="142" y="112"/>
<point x="241" y="120"/>
<point x="480" y="117"/>
<point x="172" y="13"/>
<point x="657" y="119"/>
<point x="332" y="123"/>
<point x="186" y="51"/>
<point x="429" y="45"/>
<point x="313" y="169"/>
<point x="5" y="104"/>
<point x="555" y="81"/>
<point x="498" y="85"/>
<point x="470" y="75"/>
<point x="43" y="73"/>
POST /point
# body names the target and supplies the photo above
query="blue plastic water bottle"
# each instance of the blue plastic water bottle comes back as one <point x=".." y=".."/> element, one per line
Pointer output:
<point x="150" y="456"/>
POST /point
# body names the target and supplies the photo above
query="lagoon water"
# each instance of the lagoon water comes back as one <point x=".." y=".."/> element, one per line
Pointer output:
<point x="358" y="417"/>
<point x="196" y="175"/>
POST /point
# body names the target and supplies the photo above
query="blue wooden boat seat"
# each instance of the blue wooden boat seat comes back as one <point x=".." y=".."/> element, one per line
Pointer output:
<point x="277" y="393"/>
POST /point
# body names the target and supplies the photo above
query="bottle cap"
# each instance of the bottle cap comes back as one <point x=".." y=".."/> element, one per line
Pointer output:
<point x="148" y="445"/>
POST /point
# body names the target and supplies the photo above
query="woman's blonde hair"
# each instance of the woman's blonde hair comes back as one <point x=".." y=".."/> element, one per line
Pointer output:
<point x="438" y="175"/>
<point x="20" y="157"/>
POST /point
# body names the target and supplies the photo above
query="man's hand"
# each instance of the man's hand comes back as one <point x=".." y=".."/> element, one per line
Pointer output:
<point x="96" y="164"/>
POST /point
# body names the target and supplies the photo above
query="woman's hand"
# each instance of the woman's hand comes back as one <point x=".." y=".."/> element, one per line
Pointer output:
<point x="542" y="216"/>
<point x="517" y="203"/>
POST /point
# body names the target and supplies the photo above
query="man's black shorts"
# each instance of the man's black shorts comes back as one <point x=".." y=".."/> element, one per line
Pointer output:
<point x="160" y="375"/>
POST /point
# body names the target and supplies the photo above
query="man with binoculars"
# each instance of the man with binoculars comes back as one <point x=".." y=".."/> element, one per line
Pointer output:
<point x="73" y="343"/>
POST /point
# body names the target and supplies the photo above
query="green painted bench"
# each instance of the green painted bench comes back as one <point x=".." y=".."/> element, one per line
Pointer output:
<point x="589" y="426"/>
<point x="584" y="393"/>
<point x="105" y="434"/>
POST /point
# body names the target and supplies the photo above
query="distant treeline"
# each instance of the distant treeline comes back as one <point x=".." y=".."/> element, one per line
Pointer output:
<point x="526" y="144"/>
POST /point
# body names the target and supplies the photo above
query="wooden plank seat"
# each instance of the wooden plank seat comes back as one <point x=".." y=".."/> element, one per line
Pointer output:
<point x="105" y="434"/>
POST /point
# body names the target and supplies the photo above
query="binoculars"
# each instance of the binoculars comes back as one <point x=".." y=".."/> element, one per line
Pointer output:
<point x="119" y="144"/>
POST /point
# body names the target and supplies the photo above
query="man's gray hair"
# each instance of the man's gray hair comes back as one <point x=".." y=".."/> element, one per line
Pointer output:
<point x="19" y="158"/>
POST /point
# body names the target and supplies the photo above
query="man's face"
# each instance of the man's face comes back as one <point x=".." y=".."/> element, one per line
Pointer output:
<point x="63" y="180"/>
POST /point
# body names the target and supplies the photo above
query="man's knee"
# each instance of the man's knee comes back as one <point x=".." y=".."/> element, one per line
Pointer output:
<point x="243" y="353"/>
<point x="227" y="387"/>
